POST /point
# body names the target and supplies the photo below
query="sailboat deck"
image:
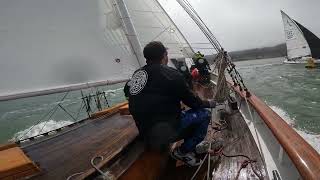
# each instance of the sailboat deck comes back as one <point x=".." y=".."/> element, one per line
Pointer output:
<point x="237" y="141"/>
<point x="70" y="153"/>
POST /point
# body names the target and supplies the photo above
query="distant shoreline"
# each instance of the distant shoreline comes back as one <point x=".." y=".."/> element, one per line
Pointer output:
<point x="279" y="50"/>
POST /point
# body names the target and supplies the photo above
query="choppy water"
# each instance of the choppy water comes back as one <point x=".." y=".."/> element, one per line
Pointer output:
<point x="290" y="90"/>
<point x="18" y="117"/>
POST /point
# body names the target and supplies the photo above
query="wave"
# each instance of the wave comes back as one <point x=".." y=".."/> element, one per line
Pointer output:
<point x="48" y="106"/>
<point x="312" y="139"/>
<point x="113" y="92"/>
<point x="257" y="66"/>
<point x="40" y="108"/>
<point x="39" y="128"/>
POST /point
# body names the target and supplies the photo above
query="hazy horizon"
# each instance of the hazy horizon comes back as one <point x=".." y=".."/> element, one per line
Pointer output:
<point x="247" y="24"/>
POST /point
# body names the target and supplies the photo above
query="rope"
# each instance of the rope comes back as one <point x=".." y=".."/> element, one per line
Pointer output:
<point x="195" y="174"/>
<point x="106" y="175"/>
<point x="95" y="167"/>
<point x="73" y="175"/>
<point x="222" y="86"/>
<point x="244" y="163"/>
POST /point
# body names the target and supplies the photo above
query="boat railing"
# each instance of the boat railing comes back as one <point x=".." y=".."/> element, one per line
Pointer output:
<point x="66" y="103"/>
<point x="61" y="89"/>
<point x="305" y="158"/>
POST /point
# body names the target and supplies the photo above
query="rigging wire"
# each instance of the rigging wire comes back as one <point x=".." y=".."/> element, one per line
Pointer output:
<point x="177" y="33"/>
<point x="80" y="109"/>
<point x="196" y="18"/>
<point x="74" y="118"/>
<point x="55" y="110"/>
<point x="235" y="75"/>
<point x="67" y="112"/>
<point x="41" y="119"/>
<point x="195" y="173"/>
<point x="205" y="26"/>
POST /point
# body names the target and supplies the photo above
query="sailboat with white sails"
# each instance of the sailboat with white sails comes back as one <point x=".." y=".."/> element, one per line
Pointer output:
<point x="89" y="44"/>
<point x="301" y="43"/>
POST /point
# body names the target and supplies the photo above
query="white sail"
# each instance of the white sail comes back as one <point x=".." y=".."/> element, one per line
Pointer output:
<point x="153" y="24"/>
<point x="46" y="44"/>
<point x="297" y="46"/>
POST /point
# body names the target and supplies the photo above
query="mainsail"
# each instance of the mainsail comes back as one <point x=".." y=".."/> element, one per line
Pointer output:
<point x="297" y="45"/>
<point x="47" y="44"/>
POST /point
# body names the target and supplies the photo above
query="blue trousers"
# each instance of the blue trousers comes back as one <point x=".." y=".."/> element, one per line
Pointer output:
<point x="193" y="128"/>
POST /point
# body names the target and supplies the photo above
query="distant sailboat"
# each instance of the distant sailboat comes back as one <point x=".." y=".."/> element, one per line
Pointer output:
<point x="302" y="44"/>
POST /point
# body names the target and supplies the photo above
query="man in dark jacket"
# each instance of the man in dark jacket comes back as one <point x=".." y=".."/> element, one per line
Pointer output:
<point x="155" y="92"/>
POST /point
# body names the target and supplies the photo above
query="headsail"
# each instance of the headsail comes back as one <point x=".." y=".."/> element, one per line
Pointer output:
<point x="153" y="24"/>
<point x="47" y="44"/>
<point x="297" y="45"/>
<point x="313" y="41"/>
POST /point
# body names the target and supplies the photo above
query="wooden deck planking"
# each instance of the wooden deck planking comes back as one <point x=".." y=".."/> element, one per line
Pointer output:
<point x="238" y="141"/>
<point x="71" y="153"/>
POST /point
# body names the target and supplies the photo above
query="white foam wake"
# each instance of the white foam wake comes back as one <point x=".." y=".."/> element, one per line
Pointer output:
<point x="39" y="129"/>
<point x="113" y="92"/>
<point x="251" y="66"/>
<point x="313" y="140"/>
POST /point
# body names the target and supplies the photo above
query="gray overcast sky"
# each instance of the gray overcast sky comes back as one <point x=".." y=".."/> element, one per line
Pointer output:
<point x="245" y="24"/>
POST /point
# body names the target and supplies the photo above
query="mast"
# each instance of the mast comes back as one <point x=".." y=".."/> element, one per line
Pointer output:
<point x="130" y="31"/>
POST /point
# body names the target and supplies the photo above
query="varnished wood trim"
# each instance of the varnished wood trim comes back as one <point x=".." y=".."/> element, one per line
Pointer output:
<point x="124" y="110"/>
<point x="109" y="111"/>
<point x="16" y="164"/>
<point x="7" y="146"/>
<point x="302" y="154"/>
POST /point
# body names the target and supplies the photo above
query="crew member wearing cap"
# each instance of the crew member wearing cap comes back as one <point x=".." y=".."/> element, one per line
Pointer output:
<point x="155" y="92"/>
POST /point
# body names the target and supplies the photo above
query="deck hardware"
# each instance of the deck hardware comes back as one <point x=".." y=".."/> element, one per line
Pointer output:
<point x="280" y="155"/>
<point x="276" y="175"/>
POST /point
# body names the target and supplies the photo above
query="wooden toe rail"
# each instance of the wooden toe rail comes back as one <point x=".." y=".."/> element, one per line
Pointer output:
<point x="302" y="154"/>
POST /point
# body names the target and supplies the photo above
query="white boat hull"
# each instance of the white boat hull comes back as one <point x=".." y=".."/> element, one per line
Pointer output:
<point x="300" y="61"/>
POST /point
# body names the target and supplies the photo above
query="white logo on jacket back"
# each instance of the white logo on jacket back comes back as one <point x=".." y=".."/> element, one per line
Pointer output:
<point x="138" y="82"/>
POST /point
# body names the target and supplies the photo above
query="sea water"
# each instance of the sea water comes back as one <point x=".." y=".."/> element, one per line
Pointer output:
<point x="28" y="117"/>
<point x="290" y="90"/>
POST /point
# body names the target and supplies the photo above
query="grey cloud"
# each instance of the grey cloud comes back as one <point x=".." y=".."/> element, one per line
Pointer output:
<point x="243" y="24"/>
